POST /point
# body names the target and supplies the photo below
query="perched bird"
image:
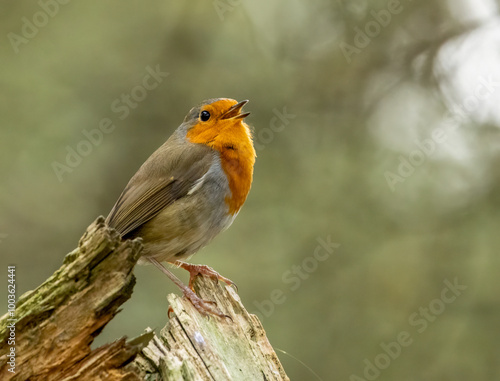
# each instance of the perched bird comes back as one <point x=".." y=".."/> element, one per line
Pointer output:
<point x="189" y="190"/>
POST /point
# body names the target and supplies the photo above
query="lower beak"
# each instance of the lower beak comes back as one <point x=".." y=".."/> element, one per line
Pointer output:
<point x="234" y="111"/>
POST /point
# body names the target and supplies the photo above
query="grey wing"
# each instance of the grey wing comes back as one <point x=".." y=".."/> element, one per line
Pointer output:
<point x="152" y="190"/>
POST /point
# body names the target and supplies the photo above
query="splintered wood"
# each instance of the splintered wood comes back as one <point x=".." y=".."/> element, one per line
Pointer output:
<point x="196" y="347"/>
<point x="57" y="322"/>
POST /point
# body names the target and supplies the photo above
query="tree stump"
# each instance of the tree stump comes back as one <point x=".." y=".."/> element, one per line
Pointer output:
<point x="48" y="335"/>
<point x="194" y="347"/>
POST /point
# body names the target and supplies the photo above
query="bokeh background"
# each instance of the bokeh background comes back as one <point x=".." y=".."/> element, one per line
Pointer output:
<point x="388" y="145"/>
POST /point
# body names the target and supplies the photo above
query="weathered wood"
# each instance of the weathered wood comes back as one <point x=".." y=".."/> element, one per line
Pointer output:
<point x="57" y="322"/>
<point x="195" y="347"/>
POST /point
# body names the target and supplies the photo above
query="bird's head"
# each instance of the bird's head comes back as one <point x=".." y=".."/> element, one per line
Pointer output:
<point x="219" y="123"/>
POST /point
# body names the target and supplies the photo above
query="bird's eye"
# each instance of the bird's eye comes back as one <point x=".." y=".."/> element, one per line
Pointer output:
<point x="204" y="116"/>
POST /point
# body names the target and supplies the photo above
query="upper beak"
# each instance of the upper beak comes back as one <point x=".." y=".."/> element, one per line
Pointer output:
<point x="234" y="111"/>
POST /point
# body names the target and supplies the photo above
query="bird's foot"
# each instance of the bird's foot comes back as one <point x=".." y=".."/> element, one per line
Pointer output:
<point x="195" y="270"/>
<point x="204" y="307"/>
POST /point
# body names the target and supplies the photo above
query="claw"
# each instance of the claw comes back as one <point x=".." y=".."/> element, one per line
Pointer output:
<point x="195" y="270"/>
<point x="170" y="311"/>
<point x="205" y="307"/>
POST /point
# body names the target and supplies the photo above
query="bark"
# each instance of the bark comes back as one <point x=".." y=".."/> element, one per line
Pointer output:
<point x="57" y="322"/>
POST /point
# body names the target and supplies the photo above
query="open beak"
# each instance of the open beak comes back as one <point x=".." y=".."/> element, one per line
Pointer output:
<point x="234" y="111"/>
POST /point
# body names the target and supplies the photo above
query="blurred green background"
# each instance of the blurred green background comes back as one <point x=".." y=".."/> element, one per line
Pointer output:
<point x="389" y="147"/>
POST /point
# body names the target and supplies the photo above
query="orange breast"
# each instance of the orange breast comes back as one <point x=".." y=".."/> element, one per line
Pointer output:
<point x="232" y="138"/>
<point x="238" y="166"/>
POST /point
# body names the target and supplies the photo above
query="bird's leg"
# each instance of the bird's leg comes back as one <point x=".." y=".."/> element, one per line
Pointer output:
<point x="203" y="306"/>
<point x="194" y="270"/>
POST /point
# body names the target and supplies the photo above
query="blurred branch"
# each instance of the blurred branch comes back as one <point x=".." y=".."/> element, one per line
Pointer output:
<point x="431" y="48"/>
<point x="55" y="325"/>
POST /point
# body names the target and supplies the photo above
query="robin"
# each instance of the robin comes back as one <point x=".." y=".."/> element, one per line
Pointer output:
<point x="189" y="190"/>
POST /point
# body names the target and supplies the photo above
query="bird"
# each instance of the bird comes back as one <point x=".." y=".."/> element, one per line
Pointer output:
<point x="189" y="190"/>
